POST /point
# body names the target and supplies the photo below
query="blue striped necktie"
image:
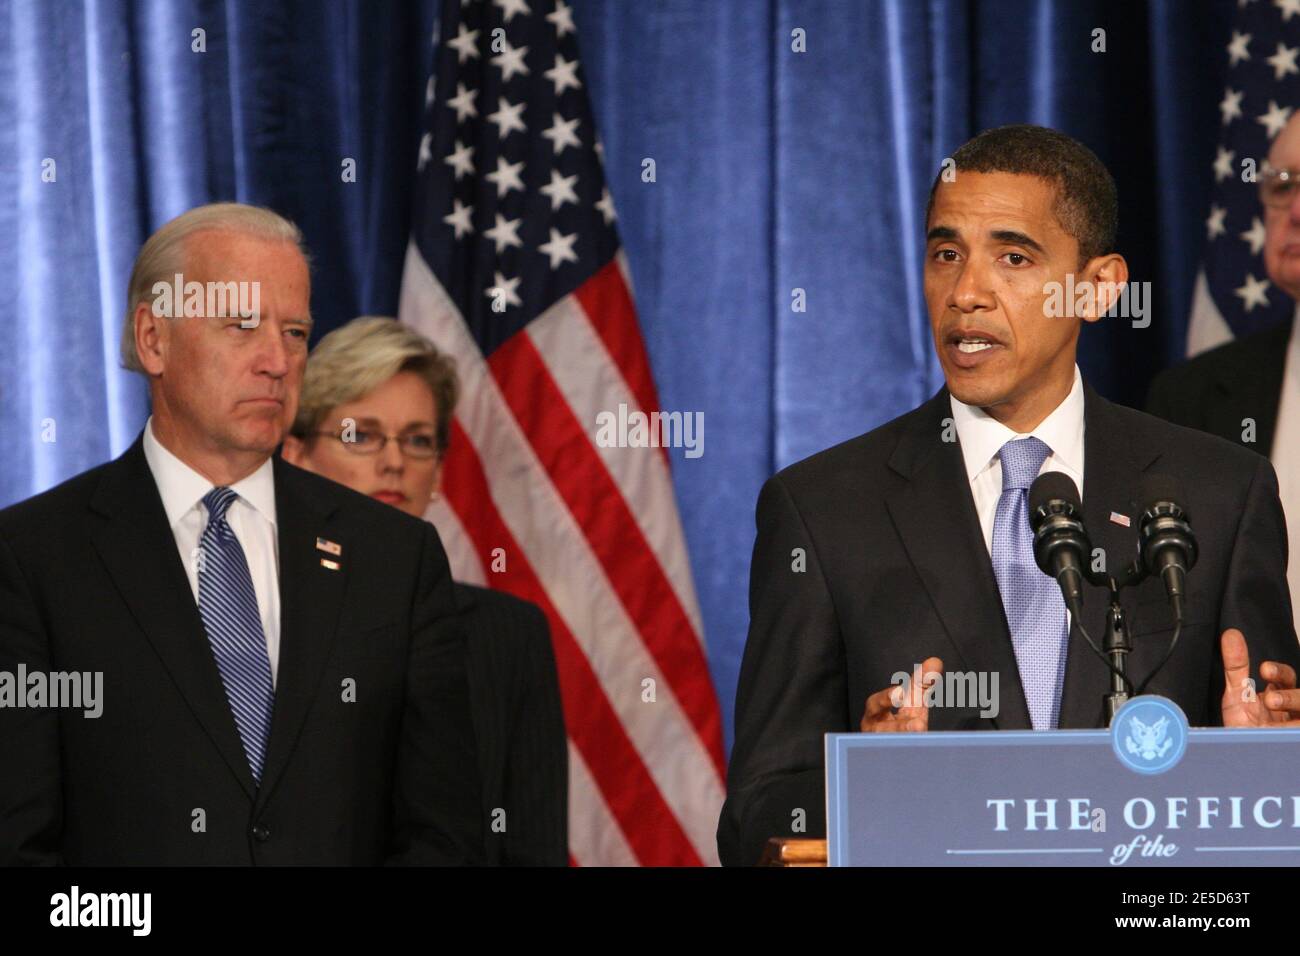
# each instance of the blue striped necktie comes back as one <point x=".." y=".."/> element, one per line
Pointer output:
<point x="228" y="607"/>
<point x="1031" y="599"/>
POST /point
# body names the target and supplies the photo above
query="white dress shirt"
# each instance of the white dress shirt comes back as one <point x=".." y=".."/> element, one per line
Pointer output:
<point x="1285" y="456"/>
<point x="982" y="435"/>
<point x="251" y="517"/>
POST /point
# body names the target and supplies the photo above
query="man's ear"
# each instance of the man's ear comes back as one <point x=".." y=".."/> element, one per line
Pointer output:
<point x="293" y="450"/>
<point x="151" y="338"/>
<point x="1109" y="275"/>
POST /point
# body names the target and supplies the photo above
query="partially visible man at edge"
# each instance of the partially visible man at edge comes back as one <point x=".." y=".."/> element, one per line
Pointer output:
<point x="1248" y="390"/>
<point x="282" y="683"/>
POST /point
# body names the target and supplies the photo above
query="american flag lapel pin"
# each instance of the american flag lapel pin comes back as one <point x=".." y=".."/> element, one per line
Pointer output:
<point x="329" y="547"/>
<point x="1119" y="519"/>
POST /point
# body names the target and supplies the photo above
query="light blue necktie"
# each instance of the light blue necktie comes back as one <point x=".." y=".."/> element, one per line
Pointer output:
<point x="228" y="607"/>
<point x="1031" y="599"/>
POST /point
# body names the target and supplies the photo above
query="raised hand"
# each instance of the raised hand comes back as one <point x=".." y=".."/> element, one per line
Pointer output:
<point x="1277" y="705"/>
<point x="899" y="707"/>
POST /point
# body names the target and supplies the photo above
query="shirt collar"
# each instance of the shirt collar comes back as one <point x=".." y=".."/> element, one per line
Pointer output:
<point x="982" y="436"/>
<point x="181" y="487"/>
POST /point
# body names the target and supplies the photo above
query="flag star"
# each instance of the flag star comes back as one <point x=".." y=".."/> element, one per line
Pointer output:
<point x="507" y="117"/>
<point x="1231" y="105"/>
<point x="501" y="286"/>
<point x="560" y="189"/>
<point x="1237" y="48"/>
<point x="564" y="74"/>
<point x="561" y="133"/>
<point x="429" y="88"/>
<point x="1283" y="61"/>
<point x="606" y="206"/>
<point x="1287" y="7"/>
<point x="1223" y="164"/>
<point x="511" y="61"/>
<point x="458" y="218"/>
<point x="1214" y="225"/>
<point x="461" y="160"/>
<point x="506" y="176"/>
<point x="504" y="233"/>
<point x="465" y="44"/>
<point x="562" y="17"/>
<point x="1252" y="293"/>
<point x="463" y="103"/>
<point x="600" y="149"/>
<point x="560" y="248"/>
<point x="1255" y="236"/>
<point x="1276" y="116"/>
<point x="510" y="7"/>
<point x="425" y="153"/>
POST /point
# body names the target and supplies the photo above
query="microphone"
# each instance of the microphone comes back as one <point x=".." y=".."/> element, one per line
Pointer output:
<point x="1061" y="545"/>
<point x="1062" y="550"/>
<point x="1166" y="544"/>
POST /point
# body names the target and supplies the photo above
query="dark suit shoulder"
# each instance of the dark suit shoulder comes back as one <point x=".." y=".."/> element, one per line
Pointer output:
<point x="1198" y="453"/>
<point x="69" y="497"/>
<point x="381" y="517"/>
<point x="1232" y="361"/>
<point x="858" y="459"/>
<point x="506" y="616"/>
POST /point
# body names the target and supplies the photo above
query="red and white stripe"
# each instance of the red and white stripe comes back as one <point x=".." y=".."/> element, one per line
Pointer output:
<point x="592" y="536"/>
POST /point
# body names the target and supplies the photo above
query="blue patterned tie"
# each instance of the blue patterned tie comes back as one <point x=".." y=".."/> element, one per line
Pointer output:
<point x="228" y="607"/>
<point x="1031" y="599"/>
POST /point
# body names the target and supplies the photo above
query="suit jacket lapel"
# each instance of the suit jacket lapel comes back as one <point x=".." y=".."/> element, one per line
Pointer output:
<point x="139" y="551"/>
<point x="311" y="598"/>
<point x="1114" y="459"/>
<point x="940" y="529"/>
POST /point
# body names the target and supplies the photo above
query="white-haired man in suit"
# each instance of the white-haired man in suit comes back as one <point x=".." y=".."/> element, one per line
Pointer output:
<point x="282" y="678"/>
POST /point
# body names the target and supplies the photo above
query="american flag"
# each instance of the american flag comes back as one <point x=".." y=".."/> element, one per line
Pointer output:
<point x="1233" y="294"/>
<point x="514" y="268"/>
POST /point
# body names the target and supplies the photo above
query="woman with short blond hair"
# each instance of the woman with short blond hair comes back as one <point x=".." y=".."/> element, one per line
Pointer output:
<point x="375" y="415"/>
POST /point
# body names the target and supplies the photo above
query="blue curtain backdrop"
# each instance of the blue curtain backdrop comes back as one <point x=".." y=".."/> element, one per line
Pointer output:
<point x="776" y="171"/>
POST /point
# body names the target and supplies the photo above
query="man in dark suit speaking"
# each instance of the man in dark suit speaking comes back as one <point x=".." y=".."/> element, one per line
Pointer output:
<point x="281" y="678"/>
<point x="909" y="547"/>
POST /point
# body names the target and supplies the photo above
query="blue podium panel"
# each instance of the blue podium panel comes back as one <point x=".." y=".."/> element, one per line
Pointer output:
<point x="1147" y="792"/>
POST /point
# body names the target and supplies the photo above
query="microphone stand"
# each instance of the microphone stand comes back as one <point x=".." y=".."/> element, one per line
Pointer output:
<point x="1117" y="647"/>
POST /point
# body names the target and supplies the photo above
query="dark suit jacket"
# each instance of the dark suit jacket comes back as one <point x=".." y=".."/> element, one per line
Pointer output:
<point x="523" y="755"/>
<point x="90" y="580"/>
<point x="897" y="571"/>
<point x="1217" y="389"/>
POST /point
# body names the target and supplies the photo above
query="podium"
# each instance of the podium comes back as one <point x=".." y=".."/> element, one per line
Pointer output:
<point x="1147" y="791"/>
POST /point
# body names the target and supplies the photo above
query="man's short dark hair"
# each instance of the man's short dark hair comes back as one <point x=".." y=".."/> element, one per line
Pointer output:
<point x="1086" y="204"/>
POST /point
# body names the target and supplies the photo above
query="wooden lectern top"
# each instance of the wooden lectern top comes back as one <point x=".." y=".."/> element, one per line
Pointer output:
<point x="785" y="851"/>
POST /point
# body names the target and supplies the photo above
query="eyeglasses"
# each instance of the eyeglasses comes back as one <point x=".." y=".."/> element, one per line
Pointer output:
<point x="420" y="445"/>
<point x="1277" y="187"/>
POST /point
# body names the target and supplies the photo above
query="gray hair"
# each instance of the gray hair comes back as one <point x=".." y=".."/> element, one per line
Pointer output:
<point x="365" y="353"/>
<point x="163" y="254"/>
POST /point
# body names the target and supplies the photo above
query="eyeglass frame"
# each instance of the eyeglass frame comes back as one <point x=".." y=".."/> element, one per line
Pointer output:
<point x="1271" y="174"/>
<point x="436" y="452"/>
